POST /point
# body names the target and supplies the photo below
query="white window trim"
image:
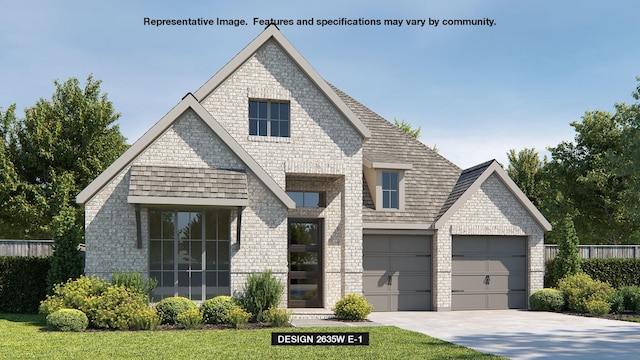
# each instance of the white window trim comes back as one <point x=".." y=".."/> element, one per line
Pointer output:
<point x="374" y="180"/>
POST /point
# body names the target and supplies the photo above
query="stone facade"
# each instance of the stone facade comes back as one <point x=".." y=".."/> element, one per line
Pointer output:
<point x="491" y="210"/>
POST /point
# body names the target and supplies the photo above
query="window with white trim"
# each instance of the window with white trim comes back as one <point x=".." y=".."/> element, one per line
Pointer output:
<point x="269" y="118"/>
<point x="390" y="190"/>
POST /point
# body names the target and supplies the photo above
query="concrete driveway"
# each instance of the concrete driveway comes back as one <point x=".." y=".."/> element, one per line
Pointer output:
<point x="519" y="334"/>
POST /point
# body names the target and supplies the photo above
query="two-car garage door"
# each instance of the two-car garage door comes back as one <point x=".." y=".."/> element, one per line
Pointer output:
<point x="489" y="272"/>
<point x="397" y="272"/>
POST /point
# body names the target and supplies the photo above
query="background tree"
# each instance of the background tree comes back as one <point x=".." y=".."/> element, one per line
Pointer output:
<point x="66" y="262"/>
<point x="407" y="128"/>
<point x="525" y="170"/>
<point x="59" y="147"/>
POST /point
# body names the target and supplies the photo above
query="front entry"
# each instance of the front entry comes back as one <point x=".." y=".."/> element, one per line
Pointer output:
<point x="305" y="263"/>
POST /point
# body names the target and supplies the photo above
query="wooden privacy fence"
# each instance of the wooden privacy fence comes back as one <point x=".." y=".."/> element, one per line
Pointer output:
<point x="598" y="251"/>
<point x="26" y="247"/>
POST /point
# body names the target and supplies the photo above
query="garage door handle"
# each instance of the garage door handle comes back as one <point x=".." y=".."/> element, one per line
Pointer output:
<point x="457" y="291"/>
<point x="389" y="280"/>
<point x="487" y="280"/>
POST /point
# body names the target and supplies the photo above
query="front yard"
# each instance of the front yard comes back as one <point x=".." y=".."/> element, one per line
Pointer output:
<point x="25" y="337"/>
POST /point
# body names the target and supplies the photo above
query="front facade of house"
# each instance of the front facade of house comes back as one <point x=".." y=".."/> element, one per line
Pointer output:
<point x="269" y="167"/>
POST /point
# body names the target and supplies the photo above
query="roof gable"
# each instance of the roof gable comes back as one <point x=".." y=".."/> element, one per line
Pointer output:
<point x="188" y="102"/>
<point x="470" y="181"/>
<point x="272" y="33"/>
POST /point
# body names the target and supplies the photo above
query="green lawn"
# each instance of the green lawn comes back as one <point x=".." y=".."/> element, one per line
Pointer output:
<point x="25" y="337"/>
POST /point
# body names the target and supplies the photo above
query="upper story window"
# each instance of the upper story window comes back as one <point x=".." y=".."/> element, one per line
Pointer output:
<point x="268" y="118"/>
<point x="390" y="190"/>
<point x="308" y="198"/>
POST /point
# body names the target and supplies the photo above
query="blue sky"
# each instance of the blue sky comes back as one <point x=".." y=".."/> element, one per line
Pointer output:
<point x="476" y="91"/>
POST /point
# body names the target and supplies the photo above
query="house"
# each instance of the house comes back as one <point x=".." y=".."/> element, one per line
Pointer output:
<point x="269" y="167"/>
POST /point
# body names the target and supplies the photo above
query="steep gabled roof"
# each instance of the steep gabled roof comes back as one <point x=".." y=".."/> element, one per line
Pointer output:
<point x="468" y="183"/>
<point x="427" y="183"/>
<point x="188" y="102"/>
<point x="272" y="33"/>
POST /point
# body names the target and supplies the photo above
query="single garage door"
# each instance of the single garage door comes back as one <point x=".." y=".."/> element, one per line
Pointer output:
<point x="397" y="272"/>
<point x="489" y="272"/>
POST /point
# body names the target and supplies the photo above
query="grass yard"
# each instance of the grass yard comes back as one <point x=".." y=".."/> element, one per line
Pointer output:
<point x="25" y="337"/>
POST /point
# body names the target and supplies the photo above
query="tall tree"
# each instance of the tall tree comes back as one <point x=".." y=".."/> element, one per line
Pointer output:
<point x="568" y="259"/>
<point x="59" y="147"/>
<point x="525" y="170"/>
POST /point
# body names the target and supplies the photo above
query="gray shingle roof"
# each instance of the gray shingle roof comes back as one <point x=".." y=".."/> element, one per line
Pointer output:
<point x="203" y="183"/>
<point x="427" y="185"/>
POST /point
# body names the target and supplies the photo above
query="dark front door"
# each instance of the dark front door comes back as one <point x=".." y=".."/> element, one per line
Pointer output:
<point x="305" y="263"/>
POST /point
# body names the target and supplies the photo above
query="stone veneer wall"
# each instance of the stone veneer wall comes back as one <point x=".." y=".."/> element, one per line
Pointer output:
<point x="492" y="210"/>
<point x="322" y="142"/>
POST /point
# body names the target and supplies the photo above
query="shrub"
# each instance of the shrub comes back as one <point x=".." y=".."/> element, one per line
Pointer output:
<point x="352" y="307"/>
<point x="580" y="289"/>
<point x="74" y="294"/>
<point x="627" y="298"/>
<point x="616" y="272"/>
<point x="598" y="307"/>
<point x="134" y="281"/>
<point x="261" y="292"/>
<point x="190" y="319"/>
<point x="67" y="320"/>
<point x="547" y="300"/>
<point x="144" y="319"/>
<point x="277" y="316"/>
<point x="66" y="261"/>
<point x="115" y="308"/>
<point x="215" y="311"/>
<point x="169" y="308"/>
<point x="238" y="317"/>
<point x="23" y="283"/>
<point x="568" y="258"/>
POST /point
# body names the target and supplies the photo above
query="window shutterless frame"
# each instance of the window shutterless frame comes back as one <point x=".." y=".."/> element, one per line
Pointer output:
<point x="304" y="284"/>
<point x="269" y="118"/>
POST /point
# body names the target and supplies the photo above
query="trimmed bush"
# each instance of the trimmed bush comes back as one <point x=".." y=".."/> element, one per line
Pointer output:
<point x="115" y="308"/>
<point x="190" y="319"/>
<point x="144" y="319"/>
<point x="547" y="300"/>
<point x="23" y="283"/>
<point x="580" y="289"/>
<point x="134" y="281"/>
<point x="626" y="298"/>
<point x="215" y="311"/>
<point x="67" y="320"/>
<point x="617" y="272"/>
<point x="598" y="307"/>
<point x="238" y="317"/>
<point x="352" y="307"/>
<point x="169" y="308"/>
<point x="261" y="292"/>
<point x="74" y="294"/>
<point x="278" y="316"/>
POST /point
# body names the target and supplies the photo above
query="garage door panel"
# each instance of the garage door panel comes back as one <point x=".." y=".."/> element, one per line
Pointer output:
<point x="469" y="301"/>
<point x="509" y="264"/>
<point x="468" y="283"/>
<point x="380" y="302"/>
<point x="416" y="301"/>
<point x="375" y="262"/>
<point x="411" y="245"/>
<point x="375" y="282"/>
<point x="505" y="244"/>
<point x="409" y="263"/>
<point x="468" y="264"/>
<point x="469" y="245"/>
<point x="510" y="300"/>
<point x="377" y="244"/>
<point x="412" y="282"/>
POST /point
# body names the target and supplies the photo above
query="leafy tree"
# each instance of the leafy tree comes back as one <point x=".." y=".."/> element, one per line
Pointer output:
<point x="407" y="128"/>
<point x="568" y="259"/>
<point x="59" y="147"/>
<point x="525" y="170"/>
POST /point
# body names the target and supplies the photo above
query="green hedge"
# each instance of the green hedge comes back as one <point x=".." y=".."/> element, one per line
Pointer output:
<point x="616" y="272"/>
<point x="23" y="283"/>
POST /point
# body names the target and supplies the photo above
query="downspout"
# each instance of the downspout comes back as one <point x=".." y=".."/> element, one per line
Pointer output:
<point x="239" y="225"/>
<point x="138" y="226"/>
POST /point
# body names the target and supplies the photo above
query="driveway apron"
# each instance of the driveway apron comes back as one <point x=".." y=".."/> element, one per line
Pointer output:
<point x="519" y="334"/>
